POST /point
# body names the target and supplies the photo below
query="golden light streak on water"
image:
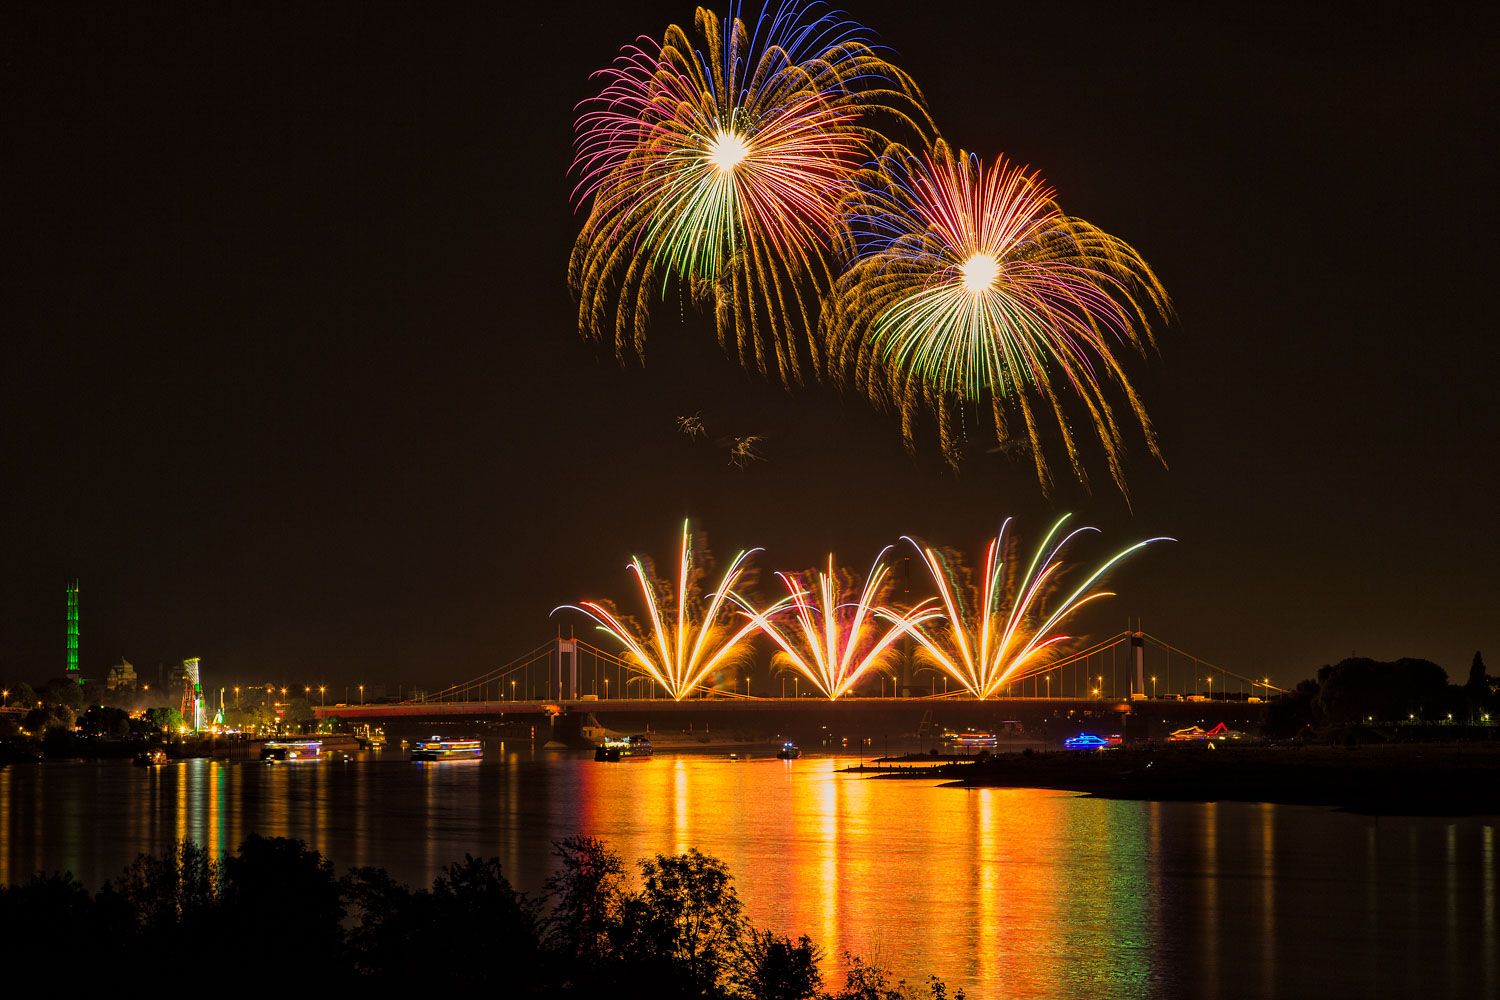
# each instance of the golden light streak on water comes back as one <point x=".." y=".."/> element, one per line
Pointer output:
<point x="180" y="803"/>
<point x="1487" y="872"/>
<point x="511" y="819"/>
<point x="683" y="813"/>
<point x="6" y="835"/>
<point x="1450" y="880"/>
<point x="989" y="887"/>
<point x="1267" y="849"/>
<point x="816" y="817"/>
<point x="1211" y="891"/>
<point x="362" y="815"/>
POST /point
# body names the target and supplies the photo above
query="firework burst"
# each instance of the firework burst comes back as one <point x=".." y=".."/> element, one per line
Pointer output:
<point x="718" y="158"/>
<point x="689" y="636"/>
<point x="970" y="287"/>
<point x="829" y="639"/>
<point x="1001" y="629"/>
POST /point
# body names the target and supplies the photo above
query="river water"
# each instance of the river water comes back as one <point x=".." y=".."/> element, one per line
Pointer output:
<point x="1007" y="893"/>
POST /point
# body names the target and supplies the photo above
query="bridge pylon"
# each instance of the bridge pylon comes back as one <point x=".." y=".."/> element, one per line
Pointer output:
<point x="565" y="668"/>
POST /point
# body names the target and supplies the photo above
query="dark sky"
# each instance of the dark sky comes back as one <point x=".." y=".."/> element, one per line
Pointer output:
<point x="292" y="378"/>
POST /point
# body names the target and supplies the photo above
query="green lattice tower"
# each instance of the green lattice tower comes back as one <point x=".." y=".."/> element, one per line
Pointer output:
<point x="72" y="670"/>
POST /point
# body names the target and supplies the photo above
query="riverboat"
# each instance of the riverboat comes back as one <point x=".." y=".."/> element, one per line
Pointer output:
<point x="975" y="739"/>
<point x="156" y="755"/>
<point x="438" y="748"/>
<point x="290" y="751"/>
<point x="789" y="751"/>
<point x="615" y="747"/>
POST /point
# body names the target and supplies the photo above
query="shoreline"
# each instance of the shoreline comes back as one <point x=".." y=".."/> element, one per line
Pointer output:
<point x="1405" y="780"/>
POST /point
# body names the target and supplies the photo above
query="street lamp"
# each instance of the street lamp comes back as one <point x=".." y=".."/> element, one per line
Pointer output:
<point x="1210" y="680"/>
<point x="606" y="688"/>
<point x="322" y="701"/>
<point x="361" y="694"/>
<point x="512" y="690"/>
<point x="1153" y="688"/>
<point x="236" y="698"/>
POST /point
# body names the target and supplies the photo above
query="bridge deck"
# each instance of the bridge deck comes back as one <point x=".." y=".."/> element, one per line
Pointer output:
<point x="635" y="706"/>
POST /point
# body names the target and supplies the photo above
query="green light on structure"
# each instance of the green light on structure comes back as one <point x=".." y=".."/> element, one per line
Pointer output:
<point x="73" y="629"/>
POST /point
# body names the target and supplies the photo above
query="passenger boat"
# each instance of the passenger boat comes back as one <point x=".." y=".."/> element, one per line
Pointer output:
<point x="1089" y="741"/>
<point x="615" y="747"/>
<point x="438" y="748"/>
<point x="789" y="751"/>
<point x="156" y="755"/>
<point x="975" y="739"/>
<point x="292" y="750"/>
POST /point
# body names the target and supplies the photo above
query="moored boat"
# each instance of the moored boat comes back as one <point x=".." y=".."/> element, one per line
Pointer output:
<point x="616" y="747"/>
<point x="292" y="750"/>
<point x="438" y="748"/>
<point x="156" y="755"/>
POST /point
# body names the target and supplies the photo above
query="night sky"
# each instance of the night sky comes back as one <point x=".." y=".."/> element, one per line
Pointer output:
<point x="292" y="379"/>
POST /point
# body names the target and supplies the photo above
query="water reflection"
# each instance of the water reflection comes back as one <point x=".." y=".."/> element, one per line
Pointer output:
<point x="1016" y="893"/>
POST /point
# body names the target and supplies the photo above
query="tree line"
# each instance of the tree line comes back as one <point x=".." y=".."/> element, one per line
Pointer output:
<point x="677" y="931"/>
<point x="1359" y="691"/>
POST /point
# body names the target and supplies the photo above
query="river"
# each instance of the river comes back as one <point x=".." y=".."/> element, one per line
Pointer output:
<point x="1006" y="893"/>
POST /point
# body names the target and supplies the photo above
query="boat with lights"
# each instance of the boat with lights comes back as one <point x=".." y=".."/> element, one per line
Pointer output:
<point x="617" y="747"/>
<point x="292" y="750"/>
<point x="438" y="748"/>
<point x="789" y="751"/>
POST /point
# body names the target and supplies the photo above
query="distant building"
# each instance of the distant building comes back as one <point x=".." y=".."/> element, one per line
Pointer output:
<point x="121" y="676"/>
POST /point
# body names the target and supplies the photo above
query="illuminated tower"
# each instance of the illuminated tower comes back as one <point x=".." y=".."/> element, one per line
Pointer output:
<point x="72" y="670"/>
<point x="192" y="695"/>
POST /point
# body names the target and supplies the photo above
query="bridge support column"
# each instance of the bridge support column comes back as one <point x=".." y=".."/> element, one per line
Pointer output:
<point x="566" y="656"/>
<point x="1138" y="648"/>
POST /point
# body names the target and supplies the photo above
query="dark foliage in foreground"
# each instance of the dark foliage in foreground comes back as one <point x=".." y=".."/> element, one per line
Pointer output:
<point x="680" y="934"/>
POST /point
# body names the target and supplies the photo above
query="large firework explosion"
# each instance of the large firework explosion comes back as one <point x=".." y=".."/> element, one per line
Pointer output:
<point x="717" y="158"/>
<point x="969" y="287"/>
<point x="825" y="636"/>
<point x="690" y="635"/>
<point x="1000" y="629"/>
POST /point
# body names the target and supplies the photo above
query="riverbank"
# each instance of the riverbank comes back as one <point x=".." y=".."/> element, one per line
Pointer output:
<point x="1408" y="780"/>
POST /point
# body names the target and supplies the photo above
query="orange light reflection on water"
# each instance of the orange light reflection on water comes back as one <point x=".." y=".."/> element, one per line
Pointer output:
<point x="996" y="880"/>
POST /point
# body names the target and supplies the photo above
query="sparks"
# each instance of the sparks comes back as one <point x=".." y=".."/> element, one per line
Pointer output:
<point x="1003" y="629"/>
<point x="690" y="637"/>
<point x="923" y="319"/>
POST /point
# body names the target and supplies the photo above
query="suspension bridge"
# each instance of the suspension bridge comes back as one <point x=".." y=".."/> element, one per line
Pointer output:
<point x="571" y="674"/>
